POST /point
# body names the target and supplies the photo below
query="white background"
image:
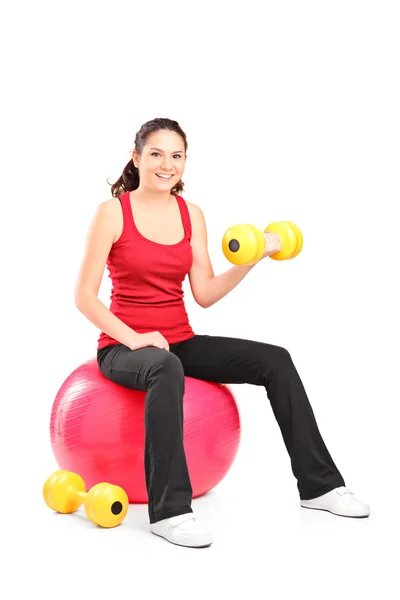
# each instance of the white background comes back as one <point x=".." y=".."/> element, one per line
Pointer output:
<point x="292" y="113"/>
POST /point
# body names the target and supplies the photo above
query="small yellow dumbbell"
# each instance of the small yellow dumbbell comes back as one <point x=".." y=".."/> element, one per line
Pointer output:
<point x="105" y="504"/>
<point x="245" y="244"/>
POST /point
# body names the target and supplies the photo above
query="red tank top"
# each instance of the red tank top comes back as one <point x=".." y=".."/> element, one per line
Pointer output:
<point x="147" y="280"/>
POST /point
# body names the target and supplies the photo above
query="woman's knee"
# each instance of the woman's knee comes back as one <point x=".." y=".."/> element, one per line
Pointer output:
<point x="167" y="364"/>
<point x="278" y="358"/>
<point x="282" y="355"/>
<point x="165" y="383"/>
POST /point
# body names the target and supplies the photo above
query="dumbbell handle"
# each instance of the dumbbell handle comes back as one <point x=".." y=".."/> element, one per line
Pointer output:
<point x="77" y="494"/>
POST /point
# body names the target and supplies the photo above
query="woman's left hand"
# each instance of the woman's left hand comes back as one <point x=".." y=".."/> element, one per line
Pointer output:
<point x="272" y="243"/>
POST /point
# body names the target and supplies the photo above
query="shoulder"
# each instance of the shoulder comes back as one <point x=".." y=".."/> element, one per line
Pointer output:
<point x="109" y="212"/>
<point x="110" y="209"/>
<point x="199" y="228"/>
<point x="195" y="212"/>
<point x="110" y="206"/>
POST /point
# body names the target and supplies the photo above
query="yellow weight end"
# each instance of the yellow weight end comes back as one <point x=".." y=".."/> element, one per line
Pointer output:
<point x="106" y="505"/>
<point x="291" y="239"/>
<point x="299" y="237"/>
<point x="243" y="244"/>
<point x="59" y="491"/>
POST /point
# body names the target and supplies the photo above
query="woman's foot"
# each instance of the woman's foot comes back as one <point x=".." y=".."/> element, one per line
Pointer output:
<point x="340" y="501"/>
<point x="183" y="530"/>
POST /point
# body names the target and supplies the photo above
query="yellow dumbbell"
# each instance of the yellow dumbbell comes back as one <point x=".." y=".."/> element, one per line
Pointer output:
<point x="245" y="244"/>
<point x="105" y="504"/>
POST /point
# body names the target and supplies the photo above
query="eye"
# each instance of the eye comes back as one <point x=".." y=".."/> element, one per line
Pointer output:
<point x="157" y="154"/>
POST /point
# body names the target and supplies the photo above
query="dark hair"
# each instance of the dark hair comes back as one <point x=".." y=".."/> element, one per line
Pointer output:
<point x="129" y="179"/>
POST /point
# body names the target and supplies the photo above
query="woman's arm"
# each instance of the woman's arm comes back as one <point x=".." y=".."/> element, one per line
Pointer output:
<point x="206" y="287"/>
<point x="99" y="240"/>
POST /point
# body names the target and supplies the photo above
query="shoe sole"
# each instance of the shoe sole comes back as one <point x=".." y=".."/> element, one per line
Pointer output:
<point x="177" y="543"/>
<point x="335" y="513"/>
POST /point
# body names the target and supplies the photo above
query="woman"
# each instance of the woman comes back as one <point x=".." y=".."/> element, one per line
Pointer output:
<point x="151" y="238"/>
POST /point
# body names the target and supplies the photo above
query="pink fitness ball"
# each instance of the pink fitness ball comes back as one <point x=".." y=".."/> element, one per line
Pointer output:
<point x="97" y="430"/>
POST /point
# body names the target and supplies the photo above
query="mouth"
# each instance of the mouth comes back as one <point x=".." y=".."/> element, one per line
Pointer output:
<point x="164" y="177"/>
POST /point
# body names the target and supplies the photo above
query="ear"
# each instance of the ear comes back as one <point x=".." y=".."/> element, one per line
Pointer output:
<point x="135" y="158"/>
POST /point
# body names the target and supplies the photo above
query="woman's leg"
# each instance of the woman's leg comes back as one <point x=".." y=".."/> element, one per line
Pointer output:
<point x="160" y="374"/>
<point x="233" y="360"/>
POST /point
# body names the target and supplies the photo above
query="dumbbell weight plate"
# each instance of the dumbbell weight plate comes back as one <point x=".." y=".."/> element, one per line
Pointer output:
<point x="287" y="235"/>
<point x="57" y="491"/>
<point x="299" y="238"/>
<point x="243" y="244"/>
<point x="106" y="504"/>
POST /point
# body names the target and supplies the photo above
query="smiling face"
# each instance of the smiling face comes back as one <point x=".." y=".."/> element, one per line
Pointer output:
<point x="162" y="161"/>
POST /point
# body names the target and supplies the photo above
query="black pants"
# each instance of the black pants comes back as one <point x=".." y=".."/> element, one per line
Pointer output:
<point x="223" y="360"/>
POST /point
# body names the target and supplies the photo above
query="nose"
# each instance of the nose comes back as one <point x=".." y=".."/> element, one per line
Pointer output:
<point x="166" y="163"/>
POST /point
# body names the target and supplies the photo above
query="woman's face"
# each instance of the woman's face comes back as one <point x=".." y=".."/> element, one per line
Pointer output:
<point x="162" y="162"/>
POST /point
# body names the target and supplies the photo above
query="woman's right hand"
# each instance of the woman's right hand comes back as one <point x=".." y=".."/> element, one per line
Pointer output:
<point x="153" y="338"/>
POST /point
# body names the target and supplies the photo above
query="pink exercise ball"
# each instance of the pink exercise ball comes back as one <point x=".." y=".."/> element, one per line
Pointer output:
<point x="97" y="430"/>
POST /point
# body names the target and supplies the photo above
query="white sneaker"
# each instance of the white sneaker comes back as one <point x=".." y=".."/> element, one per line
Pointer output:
<point x="340" y="501"/>
<point x="183" y="530"/>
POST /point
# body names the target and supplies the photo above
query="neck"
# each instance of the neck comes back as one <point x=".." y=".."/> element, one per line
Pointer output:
<point x="152" y="198"/>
